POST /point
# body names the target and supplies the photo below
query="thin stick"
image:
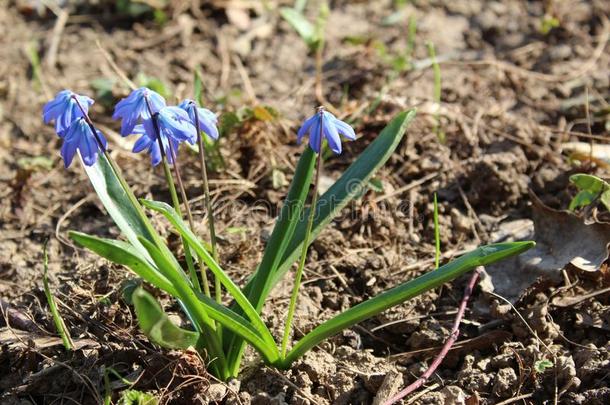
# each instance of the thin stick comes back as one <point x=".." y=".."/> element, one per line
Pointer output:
<point x="455" y="331"/>
<point x="299" y="274"/>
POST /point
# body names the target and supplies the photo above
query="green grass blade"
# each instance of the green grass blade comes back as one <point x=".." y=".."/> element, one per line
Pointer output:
<point x="57" y="319"/>
<point x="198" y="247"/>
<point x="481" y="256"/>
<point x="305" y="29"/>
<point x="123" y="253"/>
<point x="155" y="323"/>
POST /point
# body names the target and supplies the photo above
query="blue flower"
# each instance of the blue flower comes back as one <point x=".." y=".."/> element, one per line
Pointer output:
<point x="135" y="107"/>
<point x="174" y="126"/>
<point x="64" y="110"/>
<point x="79" y="136"/>
<point x="207" y="119"/>
<point x="330" y="127"/>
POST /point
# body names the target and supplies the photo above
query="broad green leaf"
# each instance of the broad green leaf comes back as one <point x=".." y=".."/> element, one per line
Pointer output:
<point x="226" y="281"/>
<point x="301" y="25"/>
<point x="481" y="256"/>
<point x="123" y="253"/>
<point x="130" y="220"/>
<point x="590" y="183"/>
<point x="155" y="323"/>
<point x="592" y="187"/>
<point x="582" y="199"/>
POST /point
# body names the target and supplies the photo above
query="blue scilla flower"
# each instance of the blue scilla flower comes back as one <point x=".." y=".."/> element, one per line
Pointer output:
<point x="328" y="126"/>
<point x="64" y="109"/>
<point x="80" y="136"/>
<point x="135" y="107"/>
<point x="207" y="119"/>
<point x="174" y="126"/>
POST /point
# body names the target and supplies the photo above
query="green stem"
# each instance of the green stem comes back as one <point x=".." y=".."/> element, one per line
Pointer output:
<point x="176" y="203"/>
<point x="208" y="203"/>
<point x="189" y="216"/>
<point x="437" y="235"/>
<point x="299" y="274"/>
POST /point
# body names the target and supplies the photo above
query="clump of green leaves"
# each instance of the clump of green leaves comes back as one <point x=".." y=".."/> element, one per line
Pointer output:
<point x="592" y="189"/>
<point x="222" y="331"/>
<point x="548" y="23"/>
<point x="135" y="397"/>
<point x="541" y="365"/>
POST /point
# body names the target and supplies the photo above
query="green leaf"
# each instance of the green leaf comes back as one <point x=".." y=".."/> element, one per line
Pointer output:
<point x="605" y="199"/>
<point x="130" y="220"/>
<point x="592" y="187"/>
<point x="301" y="25"/>
<point x="134" y="397"/>
<point x="541" y="365"/>
<point x="481" y="256"/>
<point x="589" y="183"/>
<point x="582" y="199"/>
<point x="171" y="215"/>
<point x="155" y="323"/>
<point x="123" y="253"/>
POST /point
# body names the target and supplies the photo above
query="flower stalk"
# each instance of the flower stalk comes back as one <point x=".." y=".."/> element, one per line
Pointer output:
<point x="207" y="201"/>
<point x="172" y="190"/>
<point x="306" y="241"/>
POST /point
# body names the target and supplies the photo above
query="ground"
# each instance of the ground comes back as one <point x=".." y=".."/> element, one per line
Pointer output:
<point x="519" y="80"/>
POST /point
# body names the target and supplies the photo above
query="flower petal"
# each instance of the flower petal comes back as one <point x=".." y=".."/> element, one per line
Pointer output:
<point x="331" y="134"/>
<point x="345" y="129"/>
<point x="306" y="126"/>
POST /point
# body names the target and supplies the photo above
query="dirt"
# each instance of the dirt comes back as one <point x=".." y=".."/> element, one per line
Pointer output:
<point x="511" y="95"/>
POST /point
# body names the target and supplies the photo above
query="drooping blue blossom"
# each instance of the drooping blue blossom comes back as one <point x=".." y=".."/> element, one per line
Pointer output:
<point x="135" y="107"/>
<point x="328" y="126"/>
<point x="64" y="110"/>
<point x="79" y="136"/>
<point x="207" y="119"/>
<point x="174" y="126"/>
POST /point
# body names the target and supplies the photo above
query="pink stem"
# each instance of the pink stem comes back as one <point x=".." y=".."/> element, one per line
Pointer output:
<point x="455" y="331"/>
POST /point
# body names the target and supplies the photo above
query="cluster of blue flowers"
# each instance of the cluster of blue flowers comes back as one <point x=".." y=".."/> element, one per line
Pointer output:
<point x="145" y="113"/>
